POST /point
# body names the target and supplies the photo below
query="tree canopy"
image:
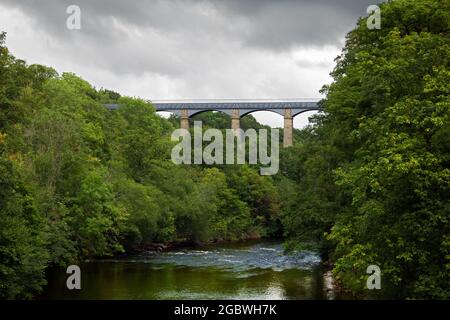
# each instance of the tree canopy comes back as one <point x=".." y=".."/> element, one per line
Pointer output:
<point x="374" y="171"/>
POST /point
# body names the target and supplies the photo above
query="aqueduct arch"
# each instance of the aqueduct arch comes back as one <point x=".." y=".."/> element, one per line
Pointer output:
<point x="236" y="109"/>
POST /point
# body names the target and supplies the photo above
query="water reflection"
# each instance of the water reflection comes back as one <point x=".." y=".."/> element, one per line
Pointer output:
<point x="238" y="271"/>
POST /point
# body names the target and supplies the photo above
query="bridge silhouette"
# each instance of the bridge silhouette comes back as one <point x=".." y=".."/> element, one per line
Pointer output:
<point x="236" y="109"/>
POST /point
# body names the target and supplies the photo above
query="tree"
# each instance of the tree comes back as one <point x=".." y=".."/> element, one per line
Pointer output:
<point x="23" y="256"/>
<point x="374" y="174"/>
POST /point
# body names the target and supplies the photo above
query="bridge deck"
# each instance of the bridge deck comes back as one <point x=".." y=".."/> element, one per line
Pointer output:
<point x="234" y="104"/>
<point x="244" y="106"/>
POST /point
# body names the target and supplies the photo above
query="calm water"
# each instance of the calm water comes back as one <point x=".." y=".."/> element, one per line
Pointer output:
<point x="250" y="270"/>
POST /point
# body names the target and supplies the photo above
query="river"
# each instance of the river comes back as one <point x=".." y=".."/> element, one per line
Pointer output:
<point x="247" y="270"/>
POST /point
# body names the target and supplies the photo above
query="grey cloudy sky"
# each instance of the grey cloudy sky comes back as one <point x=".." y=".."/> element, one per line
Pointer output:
<point x="189" y="49"/>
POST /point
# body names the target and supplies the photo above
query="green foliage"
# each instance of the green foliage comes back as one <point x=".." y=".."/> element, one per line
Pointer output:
<point x="231" y="219"/>
<point x="222" y="121"/>
<point x="374" y="171"/>
<point x="22" y="250"/>
<point x="260" y="194"/>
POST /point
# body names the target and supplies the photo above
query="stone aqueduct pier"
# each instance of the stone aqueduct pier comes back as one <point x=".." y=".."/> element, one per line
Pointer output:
<point x="237" y="109"/>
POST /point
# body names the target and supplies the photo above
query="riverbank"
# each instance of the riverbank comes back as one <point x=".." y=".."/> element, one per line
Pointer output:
<point x="175" y="245"/>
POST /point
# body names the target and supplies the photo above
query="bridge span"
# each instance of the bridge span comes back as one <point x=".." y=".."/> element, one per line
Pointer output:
<point x="236" y="109"/>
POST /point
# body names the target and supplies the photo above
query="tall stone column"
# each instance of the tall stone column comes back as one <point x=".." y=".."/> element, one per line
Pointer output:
<point x="288" y="128"/>
<point x="235" y="119"/>
<point x="184" y="119"/>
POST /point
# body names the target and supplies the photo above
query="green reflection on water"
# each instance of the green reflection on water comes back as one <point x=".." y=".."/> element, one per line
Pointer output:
<point x="142" y="278"/>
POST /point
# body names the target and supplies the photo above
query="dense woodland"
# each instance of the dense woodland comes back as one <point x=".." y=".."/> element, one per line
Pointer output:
<point x="367" y="183"/>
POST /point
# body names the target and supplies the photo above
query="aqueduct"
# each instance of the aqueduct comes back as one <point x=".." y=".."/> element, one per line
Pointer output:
<point x="236" y="109"/>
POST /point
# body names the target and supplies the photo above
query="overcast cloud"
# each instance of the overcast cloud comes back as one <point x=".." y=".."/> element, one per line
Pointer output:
<point x="189" y="49"/>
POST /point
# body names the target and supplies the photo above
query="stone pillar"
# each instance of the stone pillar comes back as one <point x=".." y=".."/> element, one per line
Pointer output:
<point x="288" y="128"/>
<point x="235" y="119"/>
<point x="184" y="119"/>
